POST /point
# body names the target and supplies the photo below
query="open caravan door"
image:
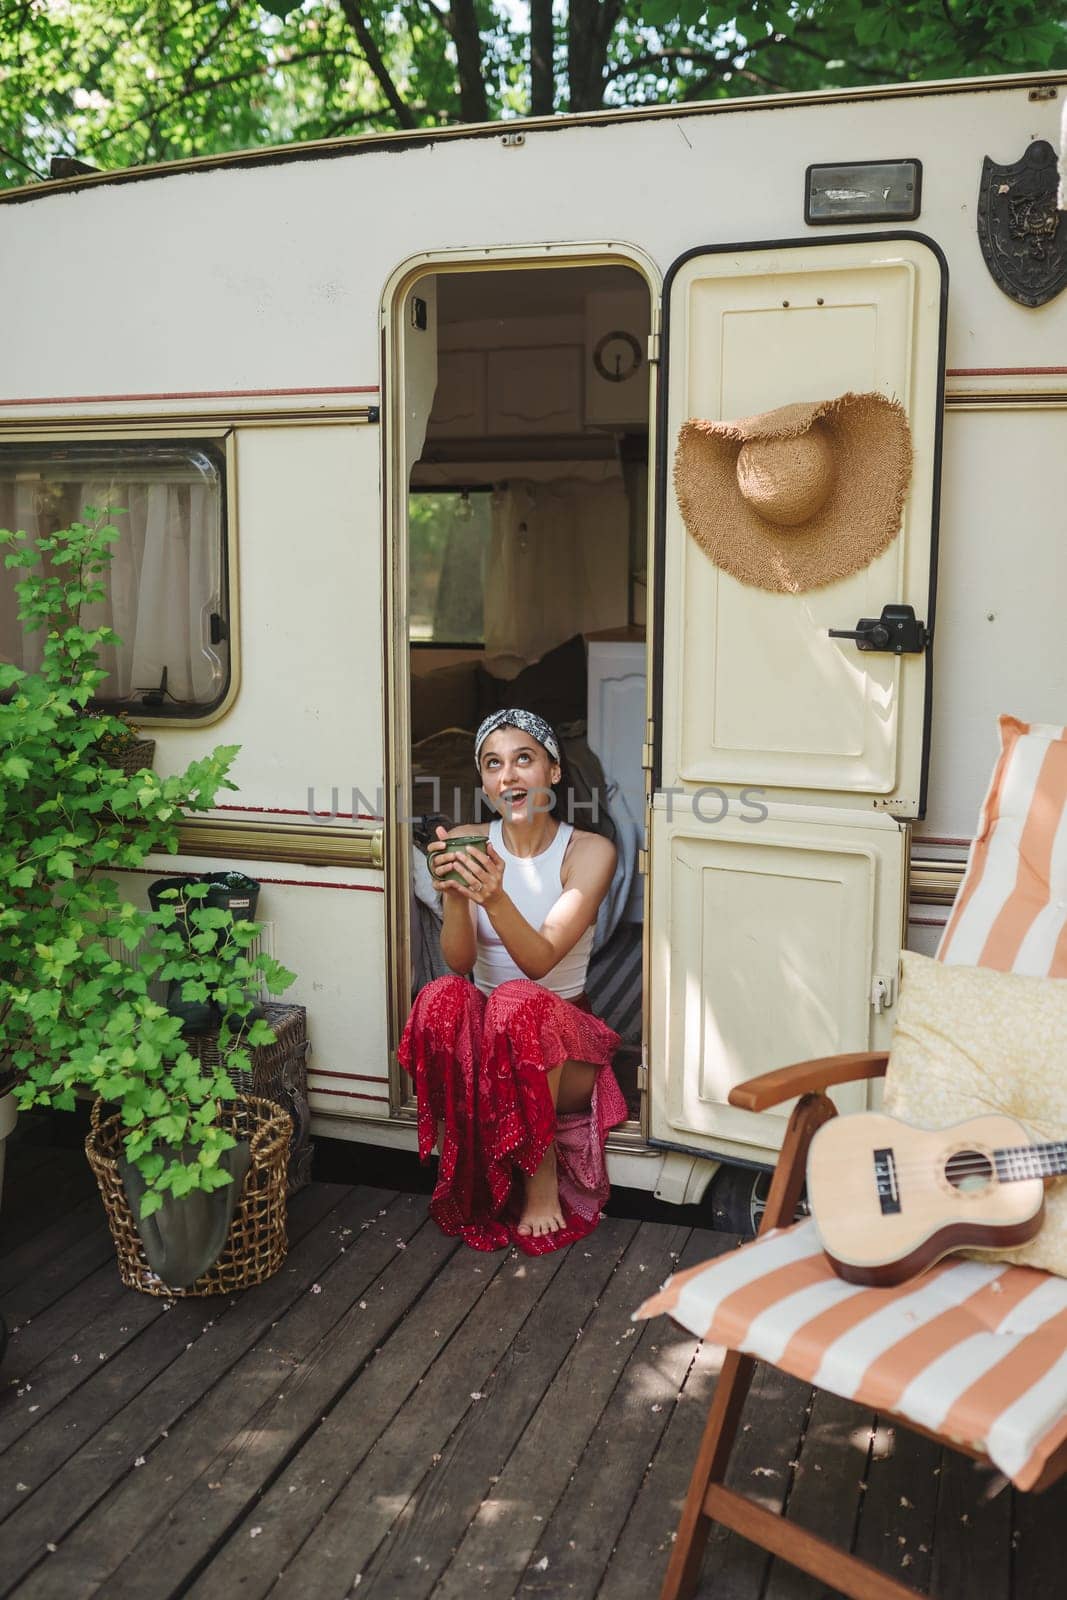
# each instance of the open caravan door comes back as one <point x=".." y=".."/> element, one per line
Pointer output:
<point x="787" y="761"/>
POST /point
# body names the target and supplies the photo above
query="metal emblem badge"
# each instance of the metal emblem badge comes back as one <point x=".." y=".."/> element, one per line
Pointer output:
<point x="1022" y="234"/>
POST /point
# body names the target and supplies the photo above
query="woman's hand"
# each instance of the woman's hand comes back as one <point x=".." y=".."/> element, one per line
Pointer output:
<point x="481" y="870"/>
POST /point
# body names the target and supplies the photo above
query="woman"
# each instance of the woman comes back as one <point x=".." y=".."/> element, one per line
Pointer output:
<point x="513" y="1072"/>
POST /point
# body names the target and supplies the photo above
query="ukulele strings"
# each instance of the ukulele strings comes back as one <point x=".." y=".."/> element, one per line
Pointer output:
<point x="972" y="1164"/>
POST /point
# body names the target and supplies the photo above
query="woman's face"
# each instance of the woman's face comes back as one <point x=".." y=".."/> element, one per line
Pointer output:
<point x="517" y="774"/>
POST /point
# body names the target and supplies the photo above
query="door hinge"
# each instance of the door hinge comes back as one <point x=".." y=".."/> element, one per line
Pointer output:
<point x="883" y="993"/>
<point x="642" y="862"/>
<point x="649" y="746"/>
<point x="642" y="1075"/>
<point x="653" y="349"/>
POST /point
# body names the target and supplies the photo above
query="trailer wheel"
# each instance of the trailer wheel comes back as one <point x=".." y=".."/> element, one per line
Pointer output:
<point x="738" y="1198"/>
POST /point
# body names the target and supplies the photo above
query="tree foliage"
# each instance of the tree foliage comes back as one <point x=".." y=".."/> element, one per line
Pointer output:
<point x="136" y="81"/>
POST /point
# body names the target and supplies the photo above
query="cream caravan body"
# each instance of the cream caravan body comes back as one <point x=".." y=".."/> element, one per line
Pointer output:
<point x="331" y="324"/>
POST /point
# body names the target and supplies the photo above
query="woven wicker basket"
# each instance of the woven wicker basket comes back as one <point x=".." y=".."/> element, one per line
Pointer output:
<point x="256" y="1243"/>
<point x="131" y="756"/>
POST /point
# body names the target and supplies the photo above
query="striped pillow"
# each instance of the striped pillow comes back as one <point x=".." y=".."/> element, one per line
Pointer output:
<point x="1011" y="909"/>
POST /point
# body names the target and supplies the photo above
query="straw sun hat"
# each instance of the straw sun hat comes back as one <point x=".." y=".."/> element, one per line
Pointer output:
<point x="797" y="497"/>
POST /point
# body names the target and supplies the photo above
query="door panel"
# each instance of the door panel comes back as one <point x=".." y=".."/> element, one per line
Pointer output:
<point x="768" y="936"/>
<point x="755" y="691"/>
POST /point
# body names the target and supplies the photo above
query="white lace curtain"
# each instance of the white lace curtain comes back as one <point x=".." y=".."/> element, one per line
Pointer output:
<point x="559" y="564"/>
<point x="162" y="584"/>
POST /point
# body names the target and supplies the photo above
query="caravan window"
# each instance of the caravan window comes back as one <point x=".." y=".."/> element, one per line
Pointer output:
<point x="167" y="581"/>
<point x="448" y="553"/>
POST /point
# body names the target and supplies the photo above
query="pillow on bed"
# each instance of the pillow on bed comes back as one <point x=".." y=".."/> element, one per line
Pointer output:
<point x="969" y="1040"/>
<point x="1011" y="909"/>
<point x="554" y="687"/>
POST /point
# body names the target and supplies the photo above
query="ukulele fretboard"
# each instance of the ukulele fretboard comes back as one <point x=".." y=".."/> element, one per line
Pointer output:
<point x="1031" y="1161"/>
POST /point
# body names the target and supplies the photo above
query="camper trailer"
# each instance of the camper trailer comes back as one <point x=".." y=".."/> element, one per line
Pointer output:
<point x="393" y="424"/>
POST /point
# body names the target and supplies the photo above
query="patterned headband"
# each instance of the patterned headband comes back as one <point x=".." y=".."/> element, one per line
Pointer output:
<point x="526" y="722"/>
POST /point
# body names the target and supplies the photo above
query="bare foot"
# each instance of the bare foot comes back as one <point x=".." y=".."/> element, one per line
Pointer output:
<point x="542" y="1212"/>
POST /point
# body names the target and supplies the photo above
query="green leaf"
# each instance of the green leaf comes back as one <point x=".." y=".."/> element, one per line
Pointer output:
<point x="214" y="1178"/>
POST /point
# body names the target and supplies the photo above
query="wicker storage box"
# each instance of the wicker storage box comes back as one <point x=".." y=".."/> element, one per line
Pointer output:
<point x="256" y="1243"/>
<point x="131" y="756"/>
<point x="279" y="1073"/>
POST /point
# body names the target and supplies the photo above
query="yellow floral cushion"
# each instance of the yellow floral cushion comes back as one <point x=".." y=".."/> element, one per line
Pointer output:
<point x="970" y="1040"/>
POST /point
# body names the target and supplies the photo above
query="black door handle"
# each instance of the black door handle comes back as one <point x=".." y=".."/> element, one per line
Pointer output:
<point x="896" y="630"/>
<point x="868" y="634"/>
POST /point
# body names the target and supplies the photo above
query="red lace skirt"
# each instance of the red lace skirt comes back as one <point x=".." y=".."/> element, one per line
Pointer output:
<point x="479" y="1067"/>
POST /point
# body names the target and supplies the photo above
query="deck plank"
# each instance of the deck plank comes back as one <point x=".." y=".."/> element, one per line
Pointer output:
<point x="202" y="1523"/>
<point x="972" y="1536"/>
<point x="100" y="1318"/>
<point x="365" y="1511"/>
<point x="436" y="1517"/>
<point x="899" y="1512"/>
<point x="770" y="1437"/>
<point x="827" y="1485"/>
<point x="293" y="1441"/>
<point x="494" y="1554"/>
<point x="1037" y="1542"/>
<point x="120" y="1414"/>
<point x="578" y="1540"/>
<point x="57" y="1271"/>
<point x="298" y="1497"/>
<point x="46" y="1191"/>
<point x="645" y="1541"/>
<point x="129" y="1532"/>
<point x="24" y="1260"/>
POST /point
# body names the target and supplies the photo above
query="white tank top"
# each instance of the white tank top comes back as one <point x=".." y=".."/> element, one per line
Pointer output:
<point x="533" y="884"/>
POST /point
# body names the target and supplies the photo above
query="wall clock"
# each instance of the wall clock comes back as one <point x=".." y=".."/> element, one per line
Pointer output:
<point x="617" y="356"/>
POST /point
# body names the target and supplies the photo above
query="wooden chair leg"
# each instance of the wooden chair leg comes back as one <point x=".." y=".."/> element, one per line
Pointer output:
<point x="724" y="1416"/>
<point x="731" y="1391"/>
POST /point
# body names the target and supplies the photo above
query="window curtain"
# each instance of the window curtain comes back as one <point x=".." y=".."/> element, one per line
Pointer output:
<point x="162" y="587"/>
<point x="18" y="510"/>
<point x="458" y="613"/>
<point x="162" y="584"/>
<point x="558" y="564"/>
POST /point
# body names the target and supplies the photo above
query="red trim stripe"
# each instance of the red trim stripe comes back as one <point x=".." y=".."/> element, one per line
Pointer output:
<point x="289" y="811"/>
<point x="349" y="1094"/>
<point x="1004" y="372"/>
<point x="184" y="394"/>
<point x="350" y="1077"/>
<point x="292" y="883"/>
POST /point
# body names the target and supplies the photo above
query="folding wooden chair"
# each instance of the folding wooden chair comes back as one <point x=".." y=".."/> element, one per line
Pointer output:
<point x="708" y="1499"/>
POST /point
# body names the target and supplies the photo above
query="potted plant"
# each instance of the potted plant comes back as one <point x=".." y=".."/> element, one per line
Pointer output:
<point x="181" y="1140"/>
<point x="74" y="1013"/>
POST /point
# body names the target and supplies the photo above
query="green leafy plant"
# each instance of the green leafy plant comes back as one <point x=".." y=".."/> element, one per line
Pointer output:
<point x="77" y="960"/>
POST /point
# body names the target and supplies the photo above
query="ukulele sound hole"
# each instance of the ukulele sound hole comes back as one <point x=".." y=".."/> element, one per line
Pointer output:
<point x="969" y="1171"/>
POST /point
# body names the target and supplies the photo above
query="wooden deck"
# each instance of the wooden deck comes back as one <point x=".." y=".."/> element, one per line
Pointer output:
<point x="395" y="1417"/>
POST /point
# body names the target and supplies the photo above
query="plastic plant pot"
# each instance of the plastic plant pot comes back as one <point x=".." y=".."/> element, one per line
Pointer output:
<point x="227" y="891"/>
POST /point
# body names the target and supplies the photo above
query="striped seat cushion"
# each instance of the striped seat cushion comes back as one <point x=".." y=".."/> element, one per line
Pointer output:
<point x="975" y="1351"/>
<point x="1011" y="909"/>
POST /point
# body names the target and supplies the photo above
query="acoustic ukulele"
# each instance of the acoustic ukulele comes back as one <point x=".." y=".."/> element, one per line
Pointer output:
<point x="890" y="1199"/>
